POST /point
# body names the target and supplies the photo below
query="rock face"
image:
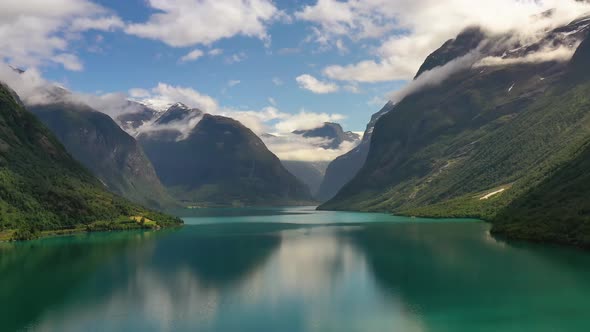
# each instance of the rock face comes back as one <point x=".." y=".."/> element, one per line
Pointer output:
<point x="42" y="186"/>
<point x="178" y="113"/>
<point x="465" y="42"/>
<point x="502" y="126"/>
<point x="332" y="132"/>
<point x="131" y="121"/>
<point x="581" y="60"/>
<point x="344" y="168"/>
<point x="113" y="156"/>
<point x="221" y="162"/>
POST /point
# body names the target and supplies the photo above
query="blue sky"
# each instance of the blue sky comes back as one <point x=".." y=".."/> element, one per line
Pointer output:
<point x="334" y="59"/>
<point x="116" y="61"/>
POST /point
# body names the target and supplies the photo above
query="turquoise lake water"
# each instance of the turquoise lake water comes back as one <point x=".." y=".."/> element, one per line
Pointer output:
<point x="294" y="269"/>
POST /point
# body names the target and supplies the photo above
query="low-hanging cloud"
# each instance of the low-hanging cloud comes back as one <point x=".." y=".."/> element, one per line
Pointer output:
<point x="418" y="27"/>
<point x="298" y="148"/>
<point x="436" y="76"/>
<point x="35" y="90"/>
<point x="558" y="54"/>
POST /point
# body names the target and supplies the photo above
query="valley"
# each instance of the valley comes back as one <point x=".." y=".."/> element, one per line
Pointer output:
<point x="294" y="166"/>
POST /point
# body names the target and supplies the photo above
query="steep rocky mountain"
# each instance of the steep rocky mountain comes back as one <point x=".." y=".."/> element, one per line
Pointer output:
<point x="221" y="162"/>
<point x="131" y="121"/>
<point x="309" y="172"/>
<point x="177" y="113"/>
<point x="331" y="132"/>
<point x="492" y="132"/>
<point x="43" y="188"/>
<point x="465" y="42"/>
<point x="113" y="156"/>
<point x="345" y="167"/>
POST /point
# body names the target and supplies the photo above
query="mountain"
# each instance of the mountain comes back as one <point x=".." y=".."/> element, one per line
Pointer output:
<point x="44" y="189"/>
<point x="131" y="121"/>
<point x="487" y="136"/>
<point x="581" y="60"/>
<point x="345" y="167"/>
<point x="113" y="156"/>
<point x="466" y="41"/>
<point x="176" y="113"/>
<point x="221" y="162"/>
<point x="312" y="173"/>
<point x="558" y="208"/>
<point x="332" y="132"/>
<point x="309" y="172"/>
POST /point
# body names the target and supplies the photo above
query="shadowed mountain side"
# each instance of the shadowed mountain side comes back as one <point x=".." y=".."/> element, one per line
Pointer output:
<point x="344" y="168"/>
<point x="221" y="162"/>
<point x="473" y="144"/>
<point x="113" y="156"/>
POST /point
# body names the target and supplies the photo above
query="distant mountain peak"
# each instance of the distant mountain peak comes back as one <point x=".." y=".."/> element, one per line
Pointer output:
<point x="468" y="40"/>
<point x="330" y="131"/>
<point x="221" y="162"/>
<point x="176" y="113"/>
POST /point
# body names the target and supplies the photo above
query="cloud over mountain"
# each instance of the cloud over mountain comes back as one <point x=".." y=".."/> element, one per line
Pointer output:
<point x="421" y="26"/>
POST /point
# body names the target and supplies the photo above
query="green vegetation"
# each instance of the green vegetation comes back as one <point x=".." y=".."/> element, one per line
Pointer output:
<point x="42" y="188"/>
<point x="521" y="128"/>
<point x="557" y="210"/>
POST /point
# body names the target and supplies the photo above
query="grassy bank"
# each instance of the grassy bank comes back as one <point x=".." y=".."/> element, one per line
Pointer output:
<point x="123" y="223"/>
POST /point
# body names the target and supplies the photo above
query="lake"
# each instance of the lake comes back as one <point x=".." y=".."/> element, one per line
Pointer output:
<point x="294" y="269"/>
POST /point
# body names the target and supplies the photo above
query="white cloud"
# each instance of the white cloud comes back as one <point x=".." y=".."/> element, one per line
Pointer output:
<point x="69" y="61"/>
<point x="139" y="93"/>
<point x="418" y="27"/>
<point x="215" y="52"/>
<point x="314" y="85"/>
<point x="28" y="85"/>
<point x="559" y="54"/>
<point x="296" y="147"/>
<point x="272" y="101"/>
<point x="191" y="22"/>
<point x="34" y="89"/>
<point x="354" y="18"/>
<point x="192" y="56"/>
<point x="173" y="94"/>
<point x="38" y="32"/>
<point x="305" y="120"/>
<point x="233" y="83"/>
<point x="107" y="23"/>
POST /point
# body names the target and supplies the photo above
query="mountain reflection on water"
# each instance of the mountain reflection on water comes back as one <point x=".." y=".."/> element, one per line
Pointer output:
<point x="335" y="273"/>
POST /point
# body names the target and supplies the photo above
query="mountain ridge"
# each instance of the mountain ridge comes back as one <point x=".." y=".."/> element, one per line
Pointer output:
<point x="44" y="190"/>
<point x="471" y="146"/>
<point x="238" y="168"/>
<point x="94" y="139"/>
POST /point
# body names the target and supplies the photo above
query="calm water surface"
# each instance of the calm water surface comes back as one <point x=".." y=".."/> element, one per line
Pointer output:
<point x="294" y="269"/>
